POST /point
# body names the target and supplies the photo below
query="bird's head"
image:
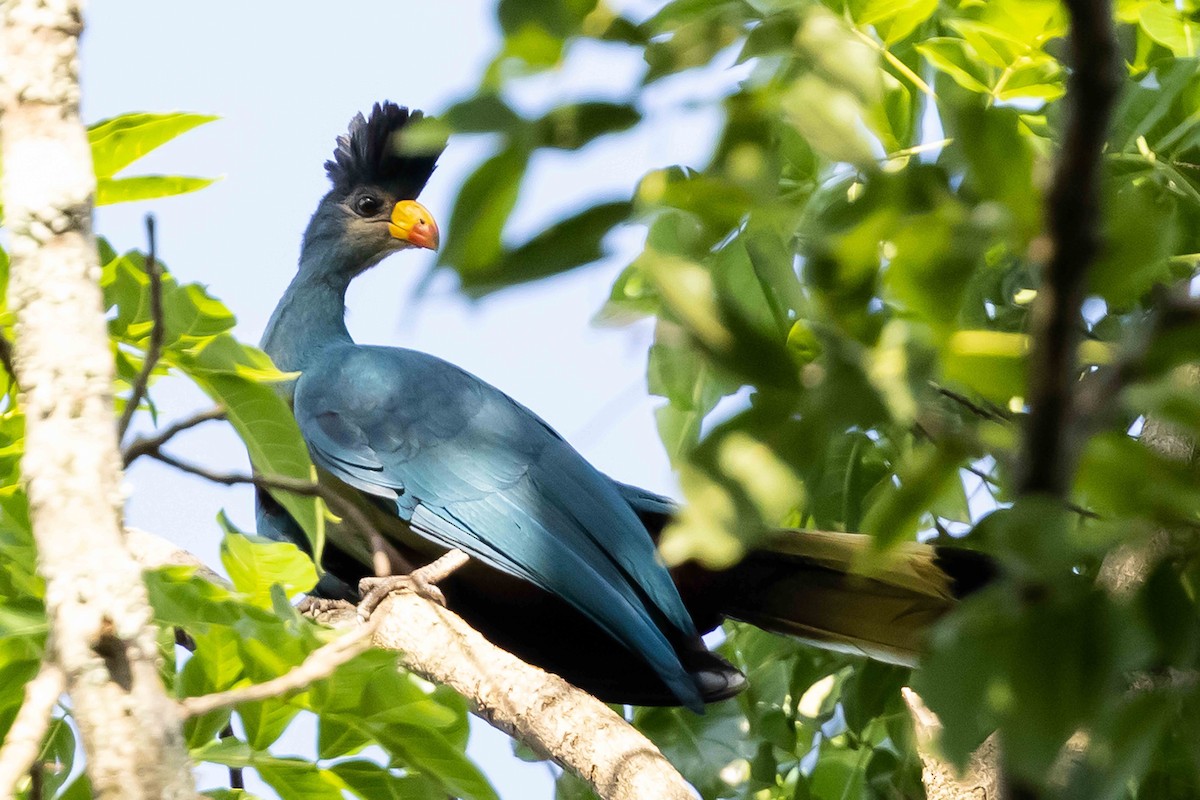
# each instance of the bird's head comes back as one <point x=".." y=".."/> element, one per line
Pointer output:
<point x="377" y="172"/>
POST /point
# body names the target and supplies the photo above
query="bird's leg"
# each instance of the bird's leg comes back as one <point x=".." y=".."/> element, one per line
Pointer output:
<point x="421" y="581"/>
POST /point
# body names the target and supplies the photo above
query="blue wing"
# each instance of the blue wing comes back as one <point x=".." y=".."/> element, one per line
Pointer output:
<point x="470" y="468"/>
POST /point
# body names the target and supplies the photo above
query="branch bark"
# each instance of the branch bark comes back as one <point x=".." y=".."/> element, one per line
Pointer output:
<point x="540" y="709"/>
<point x="101" y="632"/>
<point x="1073" y="233"/>
<point x="942" y="782"/>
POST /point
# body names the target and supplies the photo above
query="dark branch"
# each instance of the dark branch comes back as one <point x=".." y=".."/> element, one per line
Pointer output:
<point x="1072" y="217"/>
<point x="6" y="359"/>
<point x="149" y="445"/>
<point x="987" y="412"/>
<point x="157" y="330"/>
<point x="386" y="559"/>
<point x="236" y="778"/>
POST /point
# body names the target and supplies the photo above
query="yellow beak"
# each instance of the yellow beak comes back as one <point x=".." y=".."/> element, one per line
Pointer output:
<point x="412" y="223"/>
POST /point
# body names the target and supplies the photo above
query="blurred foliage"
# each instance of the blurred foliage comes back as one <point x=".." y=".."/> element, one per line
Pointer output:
<point x="852" y="271"/>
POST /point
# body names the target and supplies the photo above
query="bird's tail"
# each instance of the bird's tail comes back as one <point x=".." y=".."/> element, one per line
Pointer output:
<point x="824" y="589"/>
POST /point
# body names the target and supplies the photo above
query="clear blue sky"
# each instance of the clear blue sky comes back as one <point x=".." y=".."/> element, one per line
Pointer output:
<point x="285" y="79"/>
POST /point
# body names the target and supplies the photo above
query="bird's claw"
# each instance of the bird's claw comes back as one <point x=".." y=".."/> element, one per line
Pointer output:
<point x="374" y="590"/>
<point x="311" y="606"/>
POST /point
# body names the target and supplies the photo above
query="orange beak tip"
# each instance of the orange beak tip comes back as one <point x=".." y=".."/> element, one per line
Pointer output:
<point x="411" y="222"/>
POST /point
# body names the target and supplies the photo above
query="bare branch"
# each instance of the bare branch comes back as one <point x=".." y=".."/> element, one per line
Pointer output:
<point x="149" y="445"/>
<point x="24" y="739"/>
<point x="386" y="559"/>
<point x="320" y="664"/>
<point x="1072" y="217"/>
<point x="984" y="411"/>
<point x="157" y="330"/>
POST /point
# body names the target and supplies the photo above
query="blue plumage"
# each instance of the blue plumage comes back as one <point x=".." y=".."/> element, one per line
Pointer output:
<point x="454" y="460"/>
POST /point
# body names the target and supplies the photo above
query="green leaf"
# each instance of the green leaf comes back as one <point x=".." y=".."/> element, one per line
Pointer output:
<point x="701" y="747"/>
<point x="266" y="720"/>
<point x="433" y="755"/>
<point x="573" y="242"/>
<point x="1170" y="27"/>
<point x="110" y="191"/>
<point x="371" y="781"/>
<point x="487" y="197"/>
<point x="892" y="19"/>
<point x="572" y="126"/>
<point x="255" y="565"/>
<point x="853" y="466"/>
<point x="953" y="57"/>
<point x="896" y="512"/>
<point x="299" y="780"/>
<point x="831" y="119"/>
<point x="118" y="142"/>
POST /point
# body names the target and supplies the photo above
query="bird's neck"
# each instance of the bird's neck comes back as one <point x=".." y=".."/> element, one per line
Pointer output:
<point x="310" y="317"/>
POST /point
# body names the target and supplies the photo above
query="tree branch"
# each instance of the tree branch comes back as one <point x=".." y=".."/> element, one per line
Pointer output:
<point x="149" y="445"/>
<point x="1052" y="434"/>
<point x="386" y="559"/>
<point x="941" y="780"/>
<point x="23" y="741"/>
<point x="157" y="329"/>
<point x="1073" y="237"/>
<point x="542" y="710"/>
<point x="101" y="634"/>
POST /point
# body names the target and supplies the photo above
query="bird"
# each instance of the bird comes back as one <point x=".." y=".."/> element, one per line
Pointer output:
<point x="563" y="569"/>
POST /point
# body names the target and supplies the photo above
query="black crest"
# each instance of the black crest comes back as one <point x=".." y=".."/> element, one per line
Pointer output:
<point x="370" y="152"/>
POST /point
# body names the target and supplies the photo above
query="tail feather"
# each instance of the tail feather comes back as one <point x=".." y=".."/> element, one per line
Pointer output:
<point x="828" y="590"/>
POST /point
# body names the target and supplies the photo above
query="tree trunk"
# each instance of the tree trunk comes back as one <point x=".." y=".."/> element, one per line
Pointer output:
<point x="101" y="630"/>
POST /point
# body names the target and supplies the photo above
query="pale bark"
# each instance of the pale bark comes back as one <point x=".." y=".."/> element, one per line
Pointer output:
<point x="23" y="741"/>
<point x="101" y="630"/>
<point x="942" y="781"/>
<point x="542" y="710"/>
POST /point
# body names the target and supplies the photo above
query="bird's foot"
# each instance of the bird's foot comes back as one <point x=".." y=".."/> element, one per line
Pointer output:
<point x="374" y="590"/>
<point x="312" y="606"/>
<point x="422" y="582"/>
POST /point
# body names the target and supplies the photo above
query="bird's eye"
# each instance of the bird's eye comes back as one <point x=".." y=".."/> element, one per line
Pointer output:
<point x="368" y="205"/>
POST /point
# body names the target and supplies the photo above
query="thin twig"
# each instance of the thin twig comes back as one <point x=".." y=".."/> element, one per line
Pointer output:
<point x="983" y="412"/>
<point x="157" y="331"/>
<point x="1049" y="446"/>
<point x="24" y="739"/>
<point x="320" y="664"/>
<point x="148" y="445"/>
<point x="386" y="559"/>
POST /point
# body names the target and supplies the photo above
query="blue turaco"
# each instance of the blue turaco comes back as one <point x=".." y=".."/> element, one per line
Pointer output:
<point x="563" y="569"/>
